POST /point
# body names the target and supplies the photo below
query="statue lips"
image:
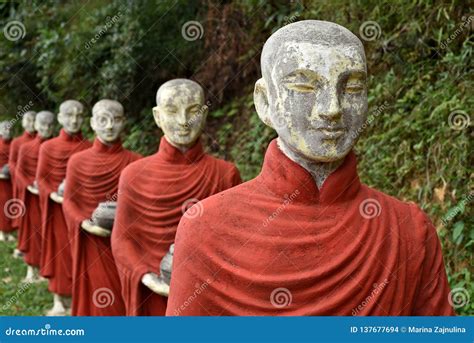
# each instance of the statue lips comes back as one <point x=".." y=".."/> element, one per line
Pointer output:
<point x="74" y="128"/>
<point x="183" y="132"/>
<point x="109" y="135"/>
<point x="330" y="132"/>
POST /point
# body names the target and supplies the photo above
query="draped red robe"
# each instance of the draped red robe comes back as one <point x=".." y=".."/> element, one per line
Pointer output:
<point x="277" y="245"/>
<point x="12" y="161"/>
<point x="5" y="188"/>
<point x="56" y="263"/>
<point x="29" y="236"/>
<point x="152" y="192"/>
<point x="92" y="177"/>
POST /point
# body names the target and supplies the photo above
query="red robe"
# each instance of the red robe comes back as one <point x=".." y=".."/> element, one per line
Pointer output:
<point x="12" y="161"/>
<point x="92" y="177"/>
<point x="277" y="245"/>
<point x="56" y="262"/>
<point x="5" y="189"/>
<point x="152" y="193"/>
<point x="29" y="236"/>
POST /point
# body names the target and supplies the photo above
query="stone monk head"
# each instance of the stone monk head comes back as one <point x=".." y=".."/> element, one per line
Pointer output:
<point x="180" y="112"/>
<point x="28" y="121"/>
<point x="313" y="91"/>
<point x="108" y="120"/>
<point x="44" y="124"/>
<point x="5" y="130"/>
<point x="71" y="116"/>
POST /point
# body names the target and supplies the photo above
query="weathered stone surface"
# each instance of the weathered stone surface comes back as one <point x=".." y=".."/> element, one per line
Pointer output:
<point x="313" y="93"/>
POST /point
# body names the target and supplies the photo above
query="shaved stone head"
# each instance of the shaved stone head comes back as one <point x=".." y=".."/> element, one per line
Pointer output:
<point x="30" y="114"/>
<point x="108" y="120"/>
<point x="323" y="33"/>
<point x="108" y="105"/>
<point x="71" y="106"/>
<point x="180" y="112"/>
<point x="28" y="121"/>
<point x="44" y="123"/>
<point x="180" y="87"/>
<point x="313" y="90"/>
<point x="71" y="116"/>
<point x="5" y="130"/>
<point x="45" y="117"/>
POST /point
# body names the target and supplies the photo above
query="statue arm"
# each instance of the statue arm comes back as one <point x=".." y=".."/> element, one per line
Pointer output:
<point x="433" y="297"/>
<point x="71" y="207"/>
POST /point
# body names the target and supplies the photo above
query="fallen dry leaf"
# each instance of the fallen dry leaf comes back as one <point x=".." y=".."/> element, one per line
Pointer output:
<point x="439" y="193"/>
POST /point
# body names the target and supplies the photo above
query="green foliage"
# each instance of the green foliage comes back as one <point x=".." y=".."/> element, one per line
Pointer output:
<point x="419" y="67"/>
<point x="20" y="299"/>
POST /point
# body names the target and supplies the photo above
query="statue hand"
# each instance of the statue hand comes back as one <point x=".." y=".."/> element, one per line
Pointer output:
<point x="156" y="284"/>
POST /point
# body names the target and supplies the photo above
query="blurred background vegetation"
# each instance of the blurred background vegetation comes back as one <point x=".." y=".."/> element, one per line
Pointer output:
<point x="420" y="67"/>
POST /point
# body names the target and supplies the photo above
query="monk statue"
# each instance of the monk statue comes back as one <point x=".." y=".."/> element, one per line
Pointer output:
<point x="92" y="178"/>
<point x="56" y="262"/>
<point x="30" y="235"/>
<point x="306" y="237"/>
<point x="5" y="183"/>
<point x="29" y="133"/>
<point x="154" y="192"/>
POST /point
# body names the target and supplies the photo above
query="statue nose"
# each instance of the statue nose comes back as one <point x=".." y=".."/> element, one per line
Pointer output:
<point x="328" y="106"/>
<point x="182" y="117"/>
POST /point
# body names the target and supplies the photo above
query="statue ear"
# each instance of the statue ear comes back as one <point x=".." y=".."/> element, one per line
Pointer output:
<point x="156" y="115"/>
<point x="260" y="99"/>
<point x="205" y="112"/>
<point x="93" y="126"/>
<point x="60" y="119"/>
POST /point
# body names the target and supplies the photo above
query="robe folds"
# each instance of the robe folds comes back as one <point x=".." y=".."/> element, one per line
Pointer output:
<point x="277" y="245"/>
<point x="153" y="194"/>
<point x="92" y="177"/>
<point x="12" y="161"/>
<point x="29" y="235"/>
<point x="5" y="189"/>
<point x="56" y="263"/>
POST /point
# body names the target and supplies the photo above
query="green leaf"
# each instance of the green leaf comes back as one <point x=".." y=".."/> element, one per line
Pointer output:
<point x="458" y="227"/>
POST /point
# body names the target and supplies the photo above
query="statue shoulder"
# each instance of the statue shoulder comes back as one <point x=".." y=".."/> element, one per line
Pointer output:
<point x="226" y="168"/>
<point x="78" y="157"/>
<point x="412" y="222"/>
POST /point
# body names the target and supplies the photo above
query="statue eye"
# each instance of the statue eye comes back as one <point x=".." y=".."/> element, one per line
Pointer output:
<point x="194" y="109"/>
<point x="354" y="87"/>
<point x="354" y="84"/>
<point x="301" y="87"/>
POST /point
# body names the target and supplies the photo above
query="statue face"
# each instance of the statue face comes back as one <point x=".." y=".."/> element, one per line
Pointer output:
<point x="28" y="122"/>
<point x="107" y="124"/>
<point x="44" y="124"/>
<point x="181" y="113"/>
<point x="71" y="119"/>
<point x="5" y="130"/>
<point x="316" y="98"/>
